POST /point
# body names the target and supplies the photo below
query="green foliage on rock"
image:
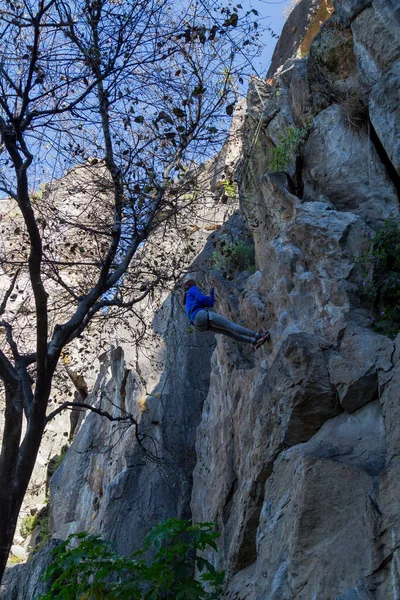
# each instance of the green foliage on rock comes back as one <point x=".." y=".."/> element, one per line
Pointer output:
<point x="230" y="188"/>
<point x="58" y="460"/>
<point x="289" y="142"/>
<point x="378" y="274"/>
<point x="40" y="520"/>
<point x="87" y="567"/>
<point x="44" y="535"/>
<point x="231" y="257"/>
<point x="28" y="524"/>
<point x="15" y="560"/>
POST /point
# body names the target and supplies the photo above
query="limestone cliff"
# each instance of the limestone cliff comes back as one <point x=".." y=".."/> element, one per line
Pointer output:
<point x="293" y="451"/>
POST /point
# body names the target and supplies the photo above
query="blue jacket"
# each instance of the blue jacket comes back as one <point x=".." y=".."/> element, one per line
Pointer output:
<point x="196" y="301"/>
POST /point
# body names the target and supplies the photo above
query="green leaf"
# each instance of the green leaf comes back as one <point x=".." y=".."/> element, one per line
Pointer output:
<point x="232" y="21"/>
<point x="93" y="569"/>
<point x="178" y="112"/>
<point x="199" y="90"/>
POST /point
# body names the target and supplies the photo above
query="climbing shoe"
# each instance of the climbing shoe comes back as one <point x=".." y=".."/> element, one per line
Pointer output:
<point x="261" y="340"/>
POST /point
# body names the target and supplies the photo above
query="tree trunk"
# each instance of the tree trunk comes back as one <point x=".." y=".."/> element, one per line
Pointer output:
<point x="8" y="467"/>
<point x="17" y="462"/>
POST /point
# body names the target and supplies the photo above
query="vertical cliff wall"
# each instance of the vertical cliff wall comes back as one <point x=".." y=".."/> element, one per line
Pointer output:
<point x="297" y="447"/>
<point x="293" y="450"/>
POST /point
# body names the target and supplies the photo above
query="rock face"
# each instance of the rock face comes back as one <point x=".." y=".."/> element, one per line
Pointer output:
<point x="293" y="451"/>
<point x="297" y="453"/>
<point x="302" y="25"/>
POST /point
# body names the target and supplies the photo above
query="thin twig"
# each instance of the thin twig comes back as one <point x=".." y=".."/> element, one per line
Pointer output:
<point x="98" y="411"/>
<point x="9" y="292"/>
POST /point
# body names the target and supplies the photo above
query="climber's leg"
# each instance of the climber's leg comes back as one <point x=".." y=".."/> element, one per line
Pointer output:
<point x="219" y="324"/>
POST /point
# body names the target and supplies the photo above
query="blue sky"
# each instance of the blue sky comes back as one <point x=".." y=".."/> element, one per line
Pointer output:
<point x="270" y="18"/>
<point x="271" y="14"/>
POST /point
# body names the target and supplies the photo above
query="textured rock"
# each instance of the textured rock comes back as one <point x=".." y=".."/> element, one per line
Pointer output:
<point x="376" y="33"/>
<point x="357" y="368"/>
<point x="358" y="440"/>
<point x="388" y="578"/>
<point x="117" y="482"/>
<point x="304" y="523"/>
<point x="299" y="389"/>
<point x="293" y="76"/>
<point x="357" y="593"/>
<point x="303" y="23"/>
<point x="292" y="558"/>
<point x="351" y="174"/>
<point x="289" y="402"/>
<point x="331" y="63"/>
<point x="242" y="585"/>
<point x="333" y="470"/>
<point x="391" y="409"/>
<point x="22" y="583"/>
<point x="304" y="270"/>
<point x="384" y="106"/>
<point x="347" y="10"/>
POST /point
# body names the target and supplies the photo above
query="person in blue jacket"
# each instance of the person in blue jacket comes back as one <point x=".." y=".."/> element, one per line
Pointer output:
<point x="197" y="307"/>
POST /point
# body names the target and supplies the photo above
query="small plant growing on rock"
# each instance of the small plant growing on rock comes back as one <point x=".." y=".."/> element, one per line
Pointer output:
<point x="44" y="535"/>
<point x="85" y="566"/>
<point x="355" y="110"/>
<point x="378" y="274"/>
<point x="289" y="143"/>
<point x="57" y="460"/>
<point x="28" y="524"/>
<point x="230" y="188"/>
<point x="231" y="257"/>
<point x="41" y="522"/>
<point x="15" y="560"/>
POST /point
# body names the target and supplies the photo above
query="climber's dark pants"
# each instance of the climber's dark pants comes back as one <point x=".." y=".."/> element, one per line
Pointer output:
<point x="206" y="320"/>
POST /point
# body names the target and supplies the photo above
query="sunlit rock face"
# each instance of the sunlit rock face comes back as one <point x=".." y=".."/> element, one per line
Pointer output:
<point x="293" y="450"/>
<point x="297" y="448"/>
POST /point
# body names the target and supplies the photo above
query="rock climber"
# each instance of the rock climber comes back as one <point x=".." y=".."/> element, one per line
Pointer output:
<point x="197" y="309"/>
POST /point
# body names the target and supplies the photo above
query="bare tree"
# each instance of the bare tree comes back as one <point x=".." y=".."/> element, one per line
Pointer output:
<point x="136" y="92"/>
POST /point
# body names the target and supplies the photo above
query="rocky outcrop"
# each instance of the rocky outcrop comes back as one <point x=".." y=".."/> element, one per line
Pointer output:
<point x="296" y="450"/>
<point x="302" y="25"/>
<point x="384" y="111"/>
<point x="26" y="581"/>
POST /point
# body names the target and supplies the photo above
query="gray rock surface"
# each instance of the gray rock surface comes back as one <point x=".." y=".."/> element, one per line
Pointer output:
<point x="360" y="365"/>
<point x="25" y="583"/>
<point x="302" y="25"/>
<point x="376" y="33"/>
<point x="347" y="10"/>
<point x="292" y="562"/>
<point x="351" y="174"/>
<point x="119" y="482"/>
<point x="384" y="106"/>
<point x="303" y="493"/>
<point x="331" y="66"/>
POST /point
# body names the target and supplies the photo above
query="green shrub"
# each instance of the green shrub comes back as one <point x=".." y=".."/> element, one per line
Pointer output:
<point x="289" y="143"/>
<point x="87" y="567"/>
<point x="28" y="524"/>
<point x="44" y="535"/>
<point x="15" y="560"/>
<point x="230" y="188"/>
<point x="378" y="275"/>
<point x="57" y="461"/>
<point x="231" y="257"/>
<point x="40" y="520"/>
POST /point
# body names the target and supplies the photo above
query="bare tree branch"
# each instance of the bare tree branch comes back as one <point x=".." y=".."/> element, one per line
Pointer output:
<point x="9" y="292"/>
<point x="82" y="405"/>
